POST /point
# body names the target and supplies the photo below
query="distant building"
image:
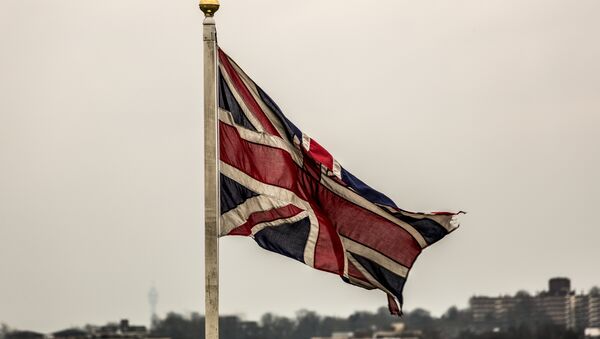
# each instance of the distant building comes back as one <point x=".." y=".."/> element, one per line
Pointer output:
<point x="578" y="311"/>
<point x="592" y="333"/>
<point x="397" y="331"/>
<point x="493" y="310"/>
<point x="338" y="335"/>
<point x="594" y="311"/>
<point x="555" y="307"/>
<point x="559" y="287"/>
<point x="122" y="330"/>
<point x="558" y="305"/>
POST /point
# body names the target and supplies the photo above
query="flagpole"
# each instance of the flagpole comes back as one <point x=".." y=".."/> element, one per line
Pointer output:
<point x="211" y="173"/>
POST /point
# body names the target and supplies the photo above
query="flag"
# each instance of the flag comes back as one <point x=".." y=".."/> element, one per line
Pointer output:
<point x="280" y="187"/>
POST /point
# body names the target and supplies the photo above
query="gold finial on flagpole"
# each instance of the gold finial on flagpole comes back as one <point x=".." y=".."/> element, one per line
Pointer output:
<point x="209" y="7"/>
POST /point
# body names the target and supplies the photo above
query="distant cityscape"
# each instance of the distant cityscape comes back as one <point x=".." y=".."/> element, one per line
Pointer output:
<point x="555" y="313"/>
<point x="120" y="330"/>
<point x="559" y="305"/>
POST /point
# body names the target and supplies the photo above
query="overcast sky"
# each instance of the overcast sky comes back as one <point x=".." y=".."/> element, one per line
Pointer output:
<point x="492" y="107"/>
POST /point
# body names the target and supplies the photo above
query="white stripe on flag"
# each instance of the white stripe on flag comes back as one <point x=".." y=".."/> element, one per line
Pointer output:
<point x="259" y="227"/>
<point x="283" y="195"/>
<point x="238" y="216"/>
<point x="364" y="203"/>
<point x="259" y="127"/>
<point x="364" y="251"/>
<point x="261" y="138"/>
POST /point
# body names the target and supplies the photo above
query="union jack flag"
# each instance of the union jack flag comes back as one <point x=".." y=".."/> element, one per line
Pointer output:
<point x="279" y="186"/>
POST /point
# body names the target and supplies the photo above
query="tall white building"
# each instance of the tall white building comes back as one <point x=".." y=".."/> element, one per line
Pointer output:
<point x="594" y="311"/>
<point x="559" y="305"/>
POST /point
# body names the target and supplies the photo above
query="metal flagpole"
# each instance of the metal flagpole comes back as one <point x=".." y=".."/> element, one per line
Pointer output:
<point x="211" y="173"/>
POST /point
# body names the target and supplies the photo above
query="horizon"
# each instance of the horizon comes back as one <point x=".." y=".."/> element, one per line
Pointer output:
<point x="258" y="319"/>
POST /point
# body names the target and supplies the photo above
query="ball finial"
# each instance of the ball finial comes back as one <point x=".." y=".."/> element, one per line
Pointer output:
<point x="209" y="7"/>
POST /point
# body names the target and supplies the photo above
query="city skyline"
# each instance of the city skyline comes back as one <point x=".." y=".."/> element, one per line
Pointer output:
<point x="468" y="303"/>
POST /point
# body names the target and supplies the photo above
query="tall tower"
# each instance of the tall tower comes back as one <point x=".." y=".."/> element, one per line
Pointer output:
<point x="153" y="300"/>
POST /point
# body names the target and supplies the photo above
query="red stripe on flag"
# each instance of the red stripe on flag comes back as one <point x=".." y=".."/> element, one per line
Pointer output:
<point x="320" y="154"/>
<point x="241" y="88"/>
<point x="264" y="216"/>
<point x="356" y="274"/>
<point x="269" y="165"/>
<point x="368" y="228"/>
<point x="329" y="252"/>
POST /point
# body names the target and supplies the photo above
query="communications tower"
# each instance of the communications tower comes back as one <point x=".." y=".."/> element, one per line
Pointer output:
<point x="153" y="300"/>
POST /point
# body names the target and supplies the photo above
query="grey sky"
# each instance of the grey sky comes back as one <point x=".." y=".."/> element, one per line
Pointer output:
<point x="487" y="106"/>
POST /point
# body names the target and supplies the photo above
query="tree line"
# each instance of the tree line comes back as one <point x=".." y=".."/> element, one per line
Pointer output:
<point x="453" y="324"/>
<point x="522" y="323"/>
